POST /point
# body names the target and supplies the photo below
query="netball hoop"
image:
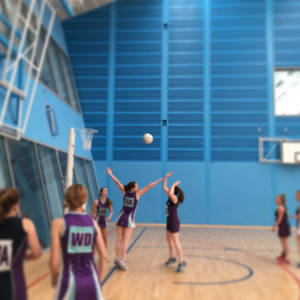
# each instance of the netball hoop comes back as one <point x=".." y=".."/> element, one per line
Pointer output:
<point x="86" y="137"/>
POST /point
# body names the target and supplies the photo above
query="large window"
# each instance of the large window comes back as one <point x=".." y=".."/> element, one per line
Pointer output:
<point x="287" y="92"/>
<point x="92" y="179"/>
<point x="28" y="181"/>
<point x="82" y="179"/>
<point x="4" y="178"/>
<point x="39" y="173"/>
<point x="52" y="182"/>
<point x="63" y="159"/>
<point x="56" y="72"/>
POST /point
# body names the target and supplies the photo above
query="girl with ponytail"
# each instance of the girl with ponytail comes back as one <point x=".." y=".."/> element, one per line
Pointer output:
<point x="176" y="197"/>
<point x="125" y="221"/>
<point x="101" y="206"/>
<point x="283" y="225"/>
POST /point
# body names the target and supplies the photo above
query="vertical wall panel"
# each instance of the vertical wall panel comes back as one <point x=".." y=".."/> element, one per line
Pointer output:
<point x="185" y="105"/>
<point x="287" y="53"/>
<point x="87" y="39"/>
<point x="137" y="79"/>
<point x="239" y="85"/>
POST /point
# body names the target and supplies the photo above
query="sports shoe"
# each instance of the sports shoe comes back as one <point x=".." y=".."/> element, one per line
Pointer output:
<point x="279" y="257"/>
<point x="170" y="261"/>
<point x="180" y="267"/>
<point x="117" y="262"/>
<point x="284" y="261"/>
<point x="123" y="265"/>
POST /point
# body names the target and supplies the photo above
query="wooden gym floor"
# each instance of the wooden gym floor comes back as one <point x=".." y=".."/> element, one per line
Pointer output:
<point x="222" y="263"/>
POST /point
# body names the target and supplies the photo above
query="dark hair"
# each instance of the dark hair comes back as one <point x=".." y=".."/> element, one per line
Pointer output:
<point x="298" y="192"/>
<point x="283" y="199"/>
<point x="179" y="193"/>
<point x="8" y="198"/>
<point x="76" y="195"/>
<point x="129" y="186"/>
<point x="108" y="201"/>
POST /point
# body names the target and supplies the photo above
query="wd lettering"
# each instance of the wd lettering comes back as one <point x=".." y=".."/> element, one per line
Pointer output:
<point x="102" y="212"/>
<point x="129" y="202"/>
<point x="5" y="255"/>
<point x="80" y="239"/>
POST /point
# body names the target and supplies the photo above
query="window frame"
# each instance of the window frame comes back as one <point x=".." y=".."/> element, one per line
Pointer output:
<point x="274" y="91"/>
<point x="60" y="53"/>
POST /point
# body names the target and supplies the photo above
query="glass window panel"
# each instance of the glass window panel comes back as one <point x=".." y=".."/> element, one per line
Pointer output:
<point x="82" y="179"/>
<point x="28" y="181"/>
<point x="287" y="92"/>
<point x="58" y="71"/>
<point x="66" y="66"/>
<point x="63" y="159"/>
<point x="4" y="172"/>
<point x="92" y="179"/>
<point x="52" y="181"/>
<point x="47" y="76"/>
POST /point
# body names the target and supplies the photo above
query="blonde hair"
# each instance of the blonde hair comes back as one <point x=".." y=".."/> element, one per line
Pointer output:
<point x="283" y="198"/>
<point x="75" y="196"/>
<point x="8" y="198"/>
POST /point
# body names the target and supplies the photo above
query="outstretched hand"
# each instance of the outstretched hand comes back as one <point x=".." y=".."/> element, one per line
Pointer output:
<point x="169" y="174"/>
<point x="108" y="171"/>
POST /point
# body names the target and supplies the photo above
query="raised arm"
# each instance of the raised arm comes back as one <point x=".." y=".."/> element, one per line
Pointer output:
<point x="95" y="204"/>
<point x="57" y="228"/>
<point x="120" y="186"/>
<point x="172" y="195"/>
<point x="148" y="187"/>
<point x="100" y="246"/>
<point x="165" y="188"/>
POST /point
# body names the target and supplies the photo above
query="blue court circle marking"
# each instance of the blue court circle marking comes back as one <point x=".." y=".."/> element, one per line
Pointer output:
<point x="249" y="275"/>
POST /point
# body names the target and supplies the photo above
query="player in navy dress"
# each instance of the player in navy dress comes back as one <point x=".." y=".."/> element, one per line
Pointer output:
<point x="76" y="234"/>
<point x="102" y="206"/>
<point x="283" y="225"/>
<point x="176" y="197"/>
<point x="126" y="219"/>
<point x="15" y="235"/>
<point x="297" y="217"/>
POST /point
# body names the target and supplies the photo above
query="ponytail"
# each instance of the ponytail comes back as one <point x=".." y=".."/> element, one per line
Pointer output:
<point x="129" y="186"/>
<point x="109" y="203"/>
<point x="8" y="198"/>
<point x="179" y="194"/>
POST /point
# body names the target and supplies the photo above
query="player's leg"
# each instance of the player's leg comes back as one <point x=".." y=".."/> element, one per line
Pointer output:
<point x="172" y="258"/>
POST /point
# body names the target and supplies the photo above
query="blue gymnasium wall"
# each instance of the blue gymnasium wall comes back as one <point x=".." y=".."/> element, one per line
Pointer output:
<point x="209" y="73"/>
<point x="38" y="127"/>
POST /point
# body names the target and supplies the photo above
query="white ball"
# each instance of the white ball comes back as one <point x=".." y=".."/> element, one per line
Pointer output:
<point x="148" y="138"/>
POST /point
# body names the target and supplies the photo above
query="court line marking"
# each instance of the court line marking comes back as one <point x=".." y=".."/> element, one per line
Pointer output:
<point x="214" y="249"/>
<point x="47" y="274"/>
<point x="115" y="268"/>
<point x="250" y="274"/>
<point x="253" y="254"/>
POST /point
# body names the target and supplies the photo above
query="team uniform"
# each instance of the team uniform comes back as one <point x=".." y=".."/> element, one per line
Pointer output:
<point x="284" y="229"/>
<point x="298" y="221"/>
<point x="173" y="223"/>
<point x="127" y="214"/>
<point x="79" y="278"/>
<point x="13" y="243"/>
<point x="101" y="213"/>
